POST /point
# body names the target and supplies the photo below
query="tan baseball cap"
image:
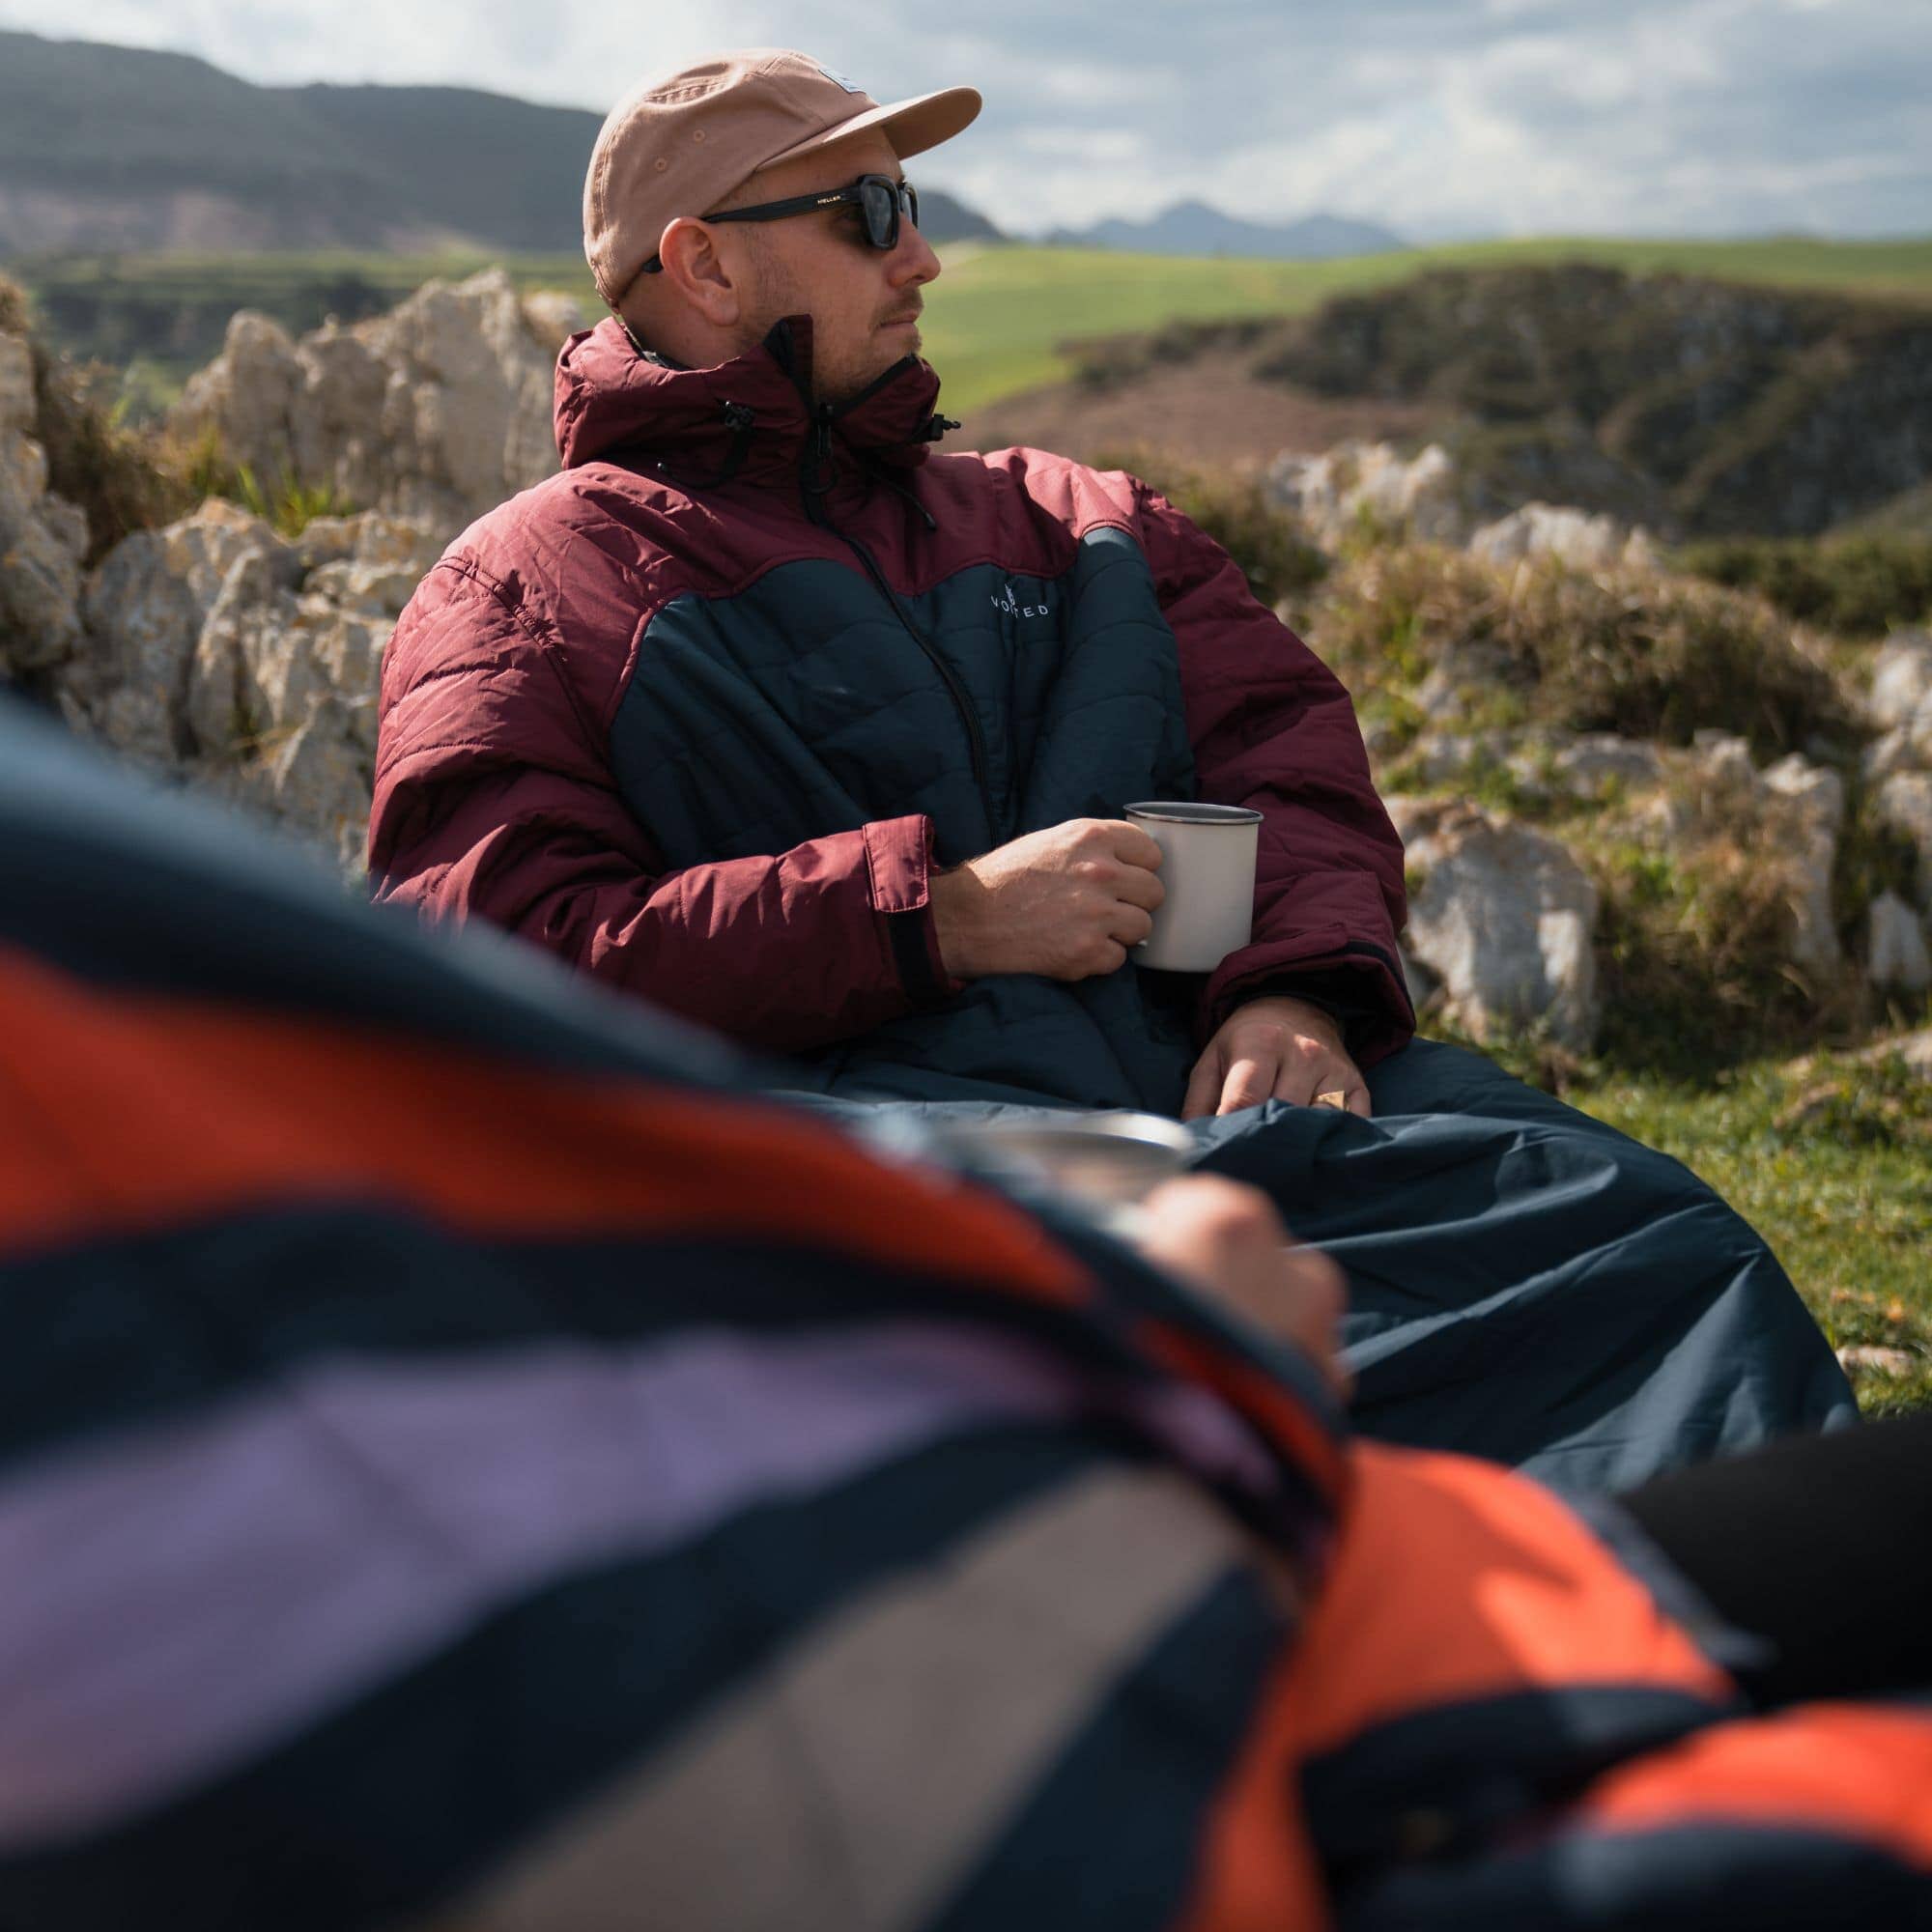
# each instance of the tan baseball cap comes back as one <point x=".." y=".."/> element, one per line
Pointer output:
<point x="679" y="143"/>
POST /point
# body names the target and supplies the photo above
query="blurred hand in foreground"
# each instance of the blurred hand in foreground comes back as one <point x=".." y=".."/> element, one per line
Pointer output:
<point x="1274" y="1049"/>
<point x="1226" y="1240"/>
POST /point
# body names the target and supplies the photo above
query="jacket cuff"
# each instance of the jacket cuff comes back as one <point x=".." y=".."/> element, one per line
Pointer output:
<point x="899" y="864"/>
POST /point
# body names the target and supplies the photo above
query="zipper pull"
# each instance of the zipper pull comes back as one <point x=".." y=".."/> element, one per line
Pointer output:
<point x="817" y="477"/>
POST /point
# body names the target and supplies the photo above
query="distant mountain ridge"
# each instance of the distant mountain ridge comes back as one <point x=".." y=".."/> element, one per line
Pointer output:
<point x="122" y="148"/>
<point x="1195" y="228"/>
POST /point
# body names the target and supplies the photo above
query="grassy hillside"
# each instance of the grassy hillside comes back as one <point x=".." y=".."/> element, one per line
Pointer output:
<point x="998" y="316"/>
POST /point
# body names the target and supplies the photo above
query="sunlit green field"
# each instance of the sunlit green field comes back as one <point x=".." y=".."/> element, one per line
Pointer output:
<point x="995" y="320"/>
<point x="996" y="316"/>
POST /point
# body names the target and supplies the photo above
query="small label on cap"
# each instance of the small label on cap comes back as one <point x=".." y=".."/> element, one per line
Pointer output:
<point x="839" y="81"/>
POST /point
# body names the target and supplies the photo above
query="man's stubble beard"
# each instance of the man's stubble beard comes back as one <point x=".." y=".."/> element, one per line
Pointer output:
<point x="780" y="295"/>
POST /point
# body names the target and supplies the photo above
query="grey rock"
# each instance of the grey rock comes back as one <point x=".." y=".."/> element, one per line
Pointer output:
<point x="1915" y="1049"/>
<point x="250" y="665"/>
<point x="434" y="413"/>
<point x="1876" y="1360"/>
<point x="1900" y="701"/>
<point x="1332" y="495"/>
<point x="1722" y="762"/>
<point x="1444" y="757"/>
<point x="1896" y="954"/>
<point x="1589" y="766"/>
<point x="1807" y="814"/>
<point x="1815" y="791"/>
<point x="1571" y="537"/>
<point x="1901" y="683"/>
<point x="1904" y="802"/>
<point x="136" y="683"/>
<point x="43" y="537"/>
<point x="1890" y="751"/>
<point x="245" y="398"/>
<point x="20" y="411"/>
<point x="1503" y="918"/>
<point x="318" y="781"/>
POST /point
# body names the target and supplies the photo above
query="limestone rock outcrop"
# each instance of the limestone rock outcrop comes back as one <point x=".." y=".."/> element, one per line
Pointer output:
<point x="1334" y="493"/>
<point x="1896" y="954"/>
<point x="434" y="413"/>
<point x="1574" y="538"/>
<point x="248" y="664"/>
<point x="43" y="537"/>
<point x="1808" y="811"/>
<point x="1904" y="805"/>
<point x="1501" y="917"/>
<point x="1899" y="705"/>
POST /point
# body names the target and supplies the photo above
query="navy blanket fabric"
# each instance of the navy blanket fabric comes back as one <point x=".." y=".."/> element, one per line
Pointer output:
<point x="1529" y="1285"/>
<point x="1526" y="1284"/>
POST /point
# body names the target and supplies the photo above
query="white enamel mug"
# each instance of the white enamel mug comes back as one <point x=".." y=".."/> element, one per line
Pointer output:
<point x="1207" y="868"/>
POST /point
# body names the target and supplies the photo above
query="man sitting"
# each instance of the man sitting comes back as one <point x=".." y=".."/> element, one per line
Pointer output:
<point x="766" y="713"/>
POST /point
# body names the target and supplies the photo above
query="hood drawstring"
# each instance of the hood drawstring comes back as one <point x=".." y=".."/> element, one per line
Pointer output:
<point x="740" y="418"/>
<point x="880" y="473"/>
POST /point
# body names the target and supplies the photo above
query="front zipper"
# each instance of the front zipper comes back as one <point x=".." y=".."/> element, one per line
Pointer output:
<point x="818" y="454"/>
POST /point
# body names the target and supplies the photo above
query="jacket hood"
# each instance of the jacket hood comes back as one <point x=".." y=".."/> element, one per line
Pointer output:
<point x="749" y="417"/>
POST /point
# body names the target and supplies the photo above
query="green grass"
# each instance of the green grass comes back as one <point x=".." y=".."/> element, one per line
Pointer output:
<point x="1831" y="1160"/>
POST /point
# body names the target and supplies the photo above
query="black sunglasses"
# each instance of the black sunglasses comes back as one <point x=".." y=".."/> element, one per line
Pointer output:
<point x="880" y="199"/>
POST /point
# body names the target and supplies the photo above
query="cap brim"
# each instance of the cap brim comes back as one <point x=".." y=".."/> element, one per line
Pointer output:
<point x="912" y="126"/>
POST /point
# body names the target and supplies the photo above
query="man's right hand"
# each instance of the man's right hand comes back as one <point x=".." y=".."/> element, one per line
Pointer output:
<point x="1066" y="902"/>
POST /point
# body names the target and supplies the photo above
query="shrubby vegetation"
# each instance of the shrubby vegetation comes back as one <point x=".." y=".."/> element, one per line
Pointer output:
<point x="122" y="477"/>
<point x="128" y="477"/>
<point x="1233" y="509"/>
<point x="1646" y="656"/>
<point x="286" y="503"/>
<point x="1856" y="587"/>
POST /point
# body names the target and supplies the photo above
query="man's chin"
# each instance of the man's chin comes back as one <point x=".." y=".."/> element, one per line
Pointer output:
<point x="904" y="342"/>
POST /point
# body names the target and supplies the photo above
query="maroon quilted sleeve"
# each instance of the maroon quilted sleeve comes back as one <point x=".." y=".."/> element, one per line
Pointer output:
<point x="1273" y="728"/>
<point x="493" y="800"/>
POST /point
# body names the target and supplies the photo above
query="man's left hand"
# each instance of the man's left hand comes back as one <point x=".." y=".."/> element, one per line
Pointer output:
<point x="1274" y="1049"/>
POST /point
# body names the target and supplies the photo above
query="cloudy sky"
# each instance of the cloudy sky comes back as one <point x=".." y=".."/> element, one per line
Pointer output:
<point x="1438" y="117"/>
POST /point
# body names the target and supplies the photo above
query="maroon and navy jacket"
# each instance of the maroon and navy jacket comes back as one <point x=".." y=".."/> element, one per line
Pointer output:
<point x="701" y="714"/>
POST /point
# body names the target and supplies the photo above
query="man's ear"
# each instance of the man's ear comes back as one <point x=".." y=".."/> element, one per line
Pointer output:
<point x="699" y="272"/>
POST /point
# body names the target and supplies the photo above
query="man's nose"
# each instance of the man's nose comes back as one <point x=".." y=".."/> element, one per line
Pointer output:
<point x="913" y="262"/>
